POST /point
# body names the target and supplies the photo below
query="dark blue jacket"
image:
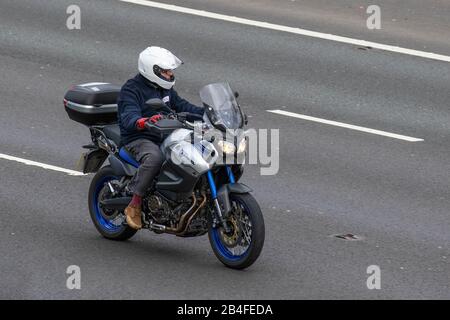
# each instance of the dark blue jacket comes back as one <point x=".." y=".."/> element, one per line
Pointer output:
<point x="131" y="106"/>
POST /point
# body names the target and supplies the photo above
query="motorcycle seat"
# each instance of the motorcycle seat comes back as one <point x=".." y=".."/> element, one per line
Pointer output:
<point x="112" y="132"/>
<point x="128" y="157"/>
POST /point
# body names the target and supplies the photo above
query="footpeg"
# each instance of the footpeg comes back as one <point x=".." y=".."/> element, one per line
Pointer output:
<point x="157" y="227"/>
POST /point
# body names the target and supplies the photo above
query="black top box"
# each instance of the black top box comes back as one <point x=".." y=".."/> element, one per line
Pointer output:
<point x="92" y="103"/>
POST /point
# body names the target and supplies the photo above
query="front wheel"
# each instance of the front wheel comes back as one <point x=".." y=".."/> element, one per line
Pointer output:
<point x="241" y="246"/>
<point x="108" y="223"/>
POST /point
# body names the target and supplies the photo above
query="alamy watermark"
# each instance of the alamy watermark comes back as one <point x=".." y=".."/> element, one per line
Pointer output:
<point x="237" y="146"/>
<point x="74" y="279"/>
<point x="374" y="20"/>
<point x="73" y="22"/>
<point x="374" y="280"/>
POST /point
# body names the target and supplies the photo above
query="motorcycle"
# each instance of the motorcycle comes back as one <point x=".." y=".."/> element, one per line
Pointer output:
<point x="194" y="193"/>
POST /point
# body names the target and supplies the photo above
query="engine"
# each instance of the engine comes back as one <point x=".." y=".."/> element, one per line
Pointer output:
<point x="160" y="210"/>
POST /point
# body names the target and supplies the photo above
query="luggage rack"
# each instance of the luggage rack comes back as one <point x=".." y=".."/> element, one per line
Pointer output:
<point x="99" y="138"/>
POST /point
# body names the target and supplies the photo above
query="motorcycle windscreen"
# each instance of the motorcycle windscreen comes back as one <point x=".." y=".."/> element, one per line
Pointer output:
<point x="221" y="106"/>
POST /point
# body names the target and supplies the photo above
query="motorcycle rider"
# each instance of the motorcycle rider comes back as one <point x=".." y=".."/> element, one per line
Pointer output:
<point x="155" y="80"/>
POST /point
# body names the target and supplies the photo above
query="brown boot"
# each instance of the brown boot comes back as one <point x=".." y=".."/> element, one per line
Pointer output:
<point x="133" y="214"/>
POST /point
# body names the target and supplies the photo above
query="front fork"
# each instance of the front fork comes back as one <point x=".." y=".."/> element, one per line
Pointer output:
<point x="212" y="186"/>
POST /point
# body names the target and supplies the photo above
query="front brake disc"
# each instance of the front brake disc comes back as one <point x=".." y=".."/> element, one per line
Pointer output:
<point x="231" y="239"/>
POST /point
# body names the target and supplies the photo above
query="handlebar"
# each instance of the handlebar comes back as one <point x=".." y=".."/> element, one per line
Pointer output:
<point x="190" y="117"/>
<point x="167" y="125"/>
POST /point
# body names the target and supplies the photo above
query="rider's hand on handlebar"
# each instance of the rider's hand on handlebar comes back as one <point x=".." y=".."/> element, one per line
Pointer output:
<point x="140" y="124"/>
<point x="155" y="118"/>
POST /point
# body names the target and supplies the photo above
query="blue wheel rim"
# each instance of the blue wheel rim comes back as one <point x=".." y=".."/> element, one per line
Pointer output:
<point x="222" y="249"/>
<point x="105" y="224"/>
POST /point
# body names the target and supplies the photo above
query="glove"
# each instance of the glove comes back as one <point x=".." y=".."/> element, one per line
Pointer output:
<point x="155" y="118"/>
<point x="140" y="124"/>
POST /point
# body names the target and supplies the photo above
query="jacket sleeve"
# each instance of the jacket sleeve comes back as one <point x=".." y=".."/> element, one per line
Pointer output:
<point x="129" y="109"/>
<point x="181" y="105"/>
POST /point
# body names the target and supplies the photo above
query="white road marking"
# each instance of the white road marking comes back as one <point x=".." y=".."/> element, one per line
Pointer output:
<point x="304" y="32"/>
<point x="41" y="165"/>
<point x="345" y="125"/>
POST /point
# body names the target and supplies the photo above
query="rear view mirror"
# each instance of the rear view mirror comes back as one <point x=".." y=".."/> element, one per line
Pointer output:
<point x="158" y="105"/>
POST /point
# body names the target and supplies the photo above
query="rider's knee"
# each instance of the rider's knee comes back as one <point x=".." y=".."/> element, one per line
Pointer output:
<point x="154" y="159"/>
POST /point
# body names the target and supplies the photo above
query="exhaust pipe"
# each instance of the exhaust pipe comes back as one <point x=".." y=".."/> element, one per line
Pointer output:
<point x="185" y="219"/>
<point x="115" y="203"/>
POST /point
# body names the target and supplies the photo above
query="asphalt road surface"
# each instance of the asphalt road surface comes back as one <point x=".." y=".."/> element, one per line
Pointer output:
<point x="391" y="193"/>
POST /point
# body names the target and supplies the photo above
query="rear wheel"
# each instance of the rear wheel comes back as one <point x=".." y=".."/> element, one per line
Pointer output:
<point x="109" y="223"/>
<point x="241" y="246"/>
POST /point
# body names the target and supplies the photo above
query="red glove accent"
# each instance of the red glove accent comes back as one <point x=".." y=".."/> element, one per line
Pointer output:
<point x="155" y="118"/>
<point x="140" y="124"/>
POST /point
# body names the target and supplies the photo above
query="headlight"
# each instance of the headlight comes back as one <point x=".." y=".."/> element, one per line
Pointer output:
<point x="242" y="146"/>
<point x="226" y="147"/>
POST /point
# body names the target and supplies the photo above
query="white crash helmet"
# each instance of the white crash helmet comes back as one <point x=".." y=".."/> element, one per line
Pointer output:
<point x="154" y="59"/>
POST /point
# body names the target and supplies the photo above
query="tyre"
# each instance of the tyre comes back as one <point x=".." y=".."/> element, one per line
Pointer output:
<point x="239" y="248"/>
<point x="109" y="224"/>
